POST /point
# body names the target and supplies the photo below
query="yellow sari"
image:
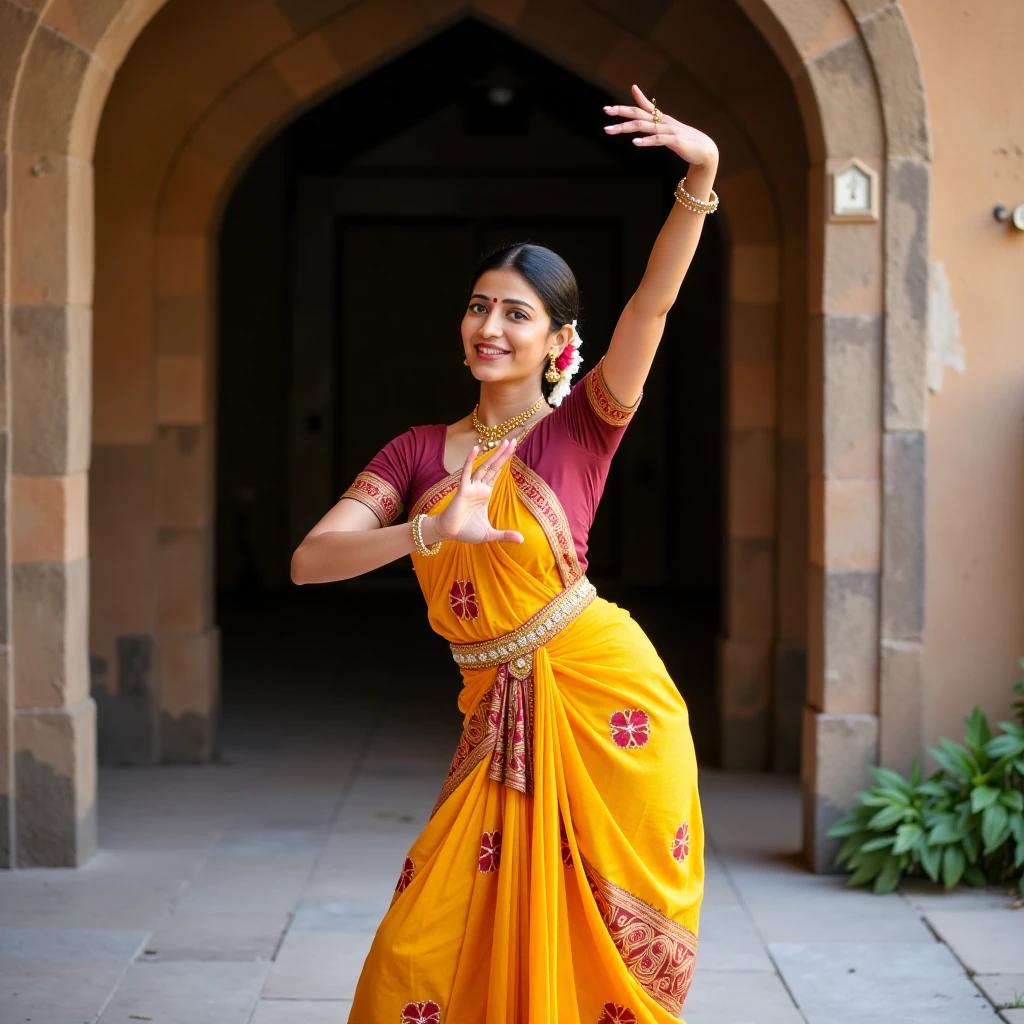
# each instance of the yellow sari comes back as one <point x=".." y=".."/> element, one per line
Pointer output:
<point x="560" y="876"/>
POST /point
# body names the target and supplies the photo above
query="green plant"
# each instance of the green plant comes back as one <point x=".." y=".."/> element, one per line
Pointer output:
<point x="1018" y="705"/>
<point x="964" y="822"/>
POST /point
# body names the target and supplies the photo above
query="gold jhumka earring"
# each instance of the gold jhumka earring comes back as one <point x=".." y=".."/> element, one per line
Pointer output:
<point x="552" y="375"/>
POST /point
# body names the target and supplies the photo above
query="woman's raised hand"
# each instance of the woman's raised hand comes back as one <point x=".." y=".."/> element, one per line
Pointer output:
<point x="465" y="518"/>
<point x="692" y="145"/>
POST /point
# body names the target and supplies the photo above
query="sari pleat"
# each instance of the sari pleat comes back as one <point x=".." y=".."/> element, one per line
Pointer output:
<point x="560" y="876"/>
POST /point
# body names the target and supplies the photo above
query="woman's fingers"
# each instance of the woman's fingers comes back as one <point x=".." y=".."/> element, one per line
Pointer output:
<point x="631" y="126"/>
<point x="638" y="113"/>
<point x="642" y="99"/>
<point x="488" y="469"/>
<point x="467" y="466"/>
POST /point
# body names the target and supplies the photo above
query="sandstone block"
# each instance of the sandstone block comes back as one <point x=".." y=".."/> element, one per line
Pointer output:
<point x="51" y="373"/>
<point x="907" y="294"/>
<point x="189" y="670"/>
<point x="751" y="483"/>
<point x="845" y="523"/>
<point x="50" y="630"/>
<point x="55" y="766"/>
<point x="903" y="542"/>
<point x="185" y="583"/>
<point x="750" y="575"/>
<point x="842" y="640"/>
<point x="837" y="750"/>
<point x="901" y="705"/>
<point x="745" y="685"/>
<point x="50" y="518"/>
<point x="184" y="468"/>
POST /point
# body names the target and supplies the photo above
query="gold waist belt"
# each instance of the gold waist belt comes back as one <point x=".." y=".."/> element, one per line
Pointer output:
<point x="513" y="648"/>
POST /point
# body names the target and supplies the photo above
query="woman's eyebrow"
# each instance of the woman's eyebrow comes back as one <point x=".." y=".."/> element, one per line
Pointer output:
<point x="517" y="302"/>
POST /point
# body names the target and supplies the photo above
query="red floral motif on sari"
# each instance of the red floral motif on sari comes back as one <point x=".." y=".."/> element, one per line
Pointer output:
<point x="462" y="598"/>
<point x="408" y="871"/>
<point x="427" y="1012"/>
<point x="681" y="842"/>
<point x="490" y="852"/>
<point x="630" y="728"/>
<point x="613" y="1013"/>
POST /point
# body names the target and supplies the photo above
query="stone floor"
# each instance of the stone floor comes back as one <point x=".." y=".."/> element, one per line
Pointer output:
<point x="247" y="891"/>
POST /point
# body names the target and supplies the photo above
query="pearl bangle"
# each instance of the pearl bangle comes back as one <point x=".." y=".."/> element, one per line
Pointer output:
<point x="417" y="536"/>
<point x="694" y="204"/>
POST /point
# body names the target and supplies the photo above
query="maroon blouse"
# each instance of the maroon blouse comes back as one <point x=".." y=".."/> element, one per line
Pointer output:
<point x="570" y="449"/>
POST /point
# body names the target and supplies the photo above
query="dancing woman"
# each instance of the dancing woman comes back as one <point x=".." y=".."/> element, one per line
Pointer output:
<point x="560" y="876"/>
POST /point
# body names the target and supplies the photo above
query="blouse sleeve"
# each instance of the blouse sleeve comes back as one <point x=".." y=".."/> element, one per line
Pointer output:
<point x="384" y="484"/>
<point x="593" y="417"/>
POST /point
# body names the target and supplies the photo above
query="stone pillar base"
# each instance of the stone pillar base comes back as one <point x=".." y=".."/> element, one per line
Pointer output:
<point x="744" y="674"/>
<point x="790" y="695"/>
<point x="837" y="750"/>
<point x="189" y="684"/>
<point x="55" y="769"/>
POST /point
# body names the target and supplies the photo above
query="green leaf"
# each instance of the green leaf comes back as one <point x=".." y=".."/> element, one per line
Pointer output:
<point x="1013" y="799"/>
<point x="849" y="848"/>
<point x="879" y="843"/>
<point x="847" y="826"/>
<point x="1018" y="859"/>
<point x="906" y="836"/>
<point x="953" y="864"/>
<point x="976" y="730"/>
<point x="973" y="875"/>
<point x="931" y="859"/>
<point x="1005" y="746"/>
<point x="915" y="773"/>
<point x="982" y="797"/>
<point x="945" y="831"/>
<point x="891" y="781"/>
<point x="972" y="846"/>
<point x="995" y="827"/>
<point x="935" y="789"/>
<point x="889" y="877"/>
<point x="887" y="817"/>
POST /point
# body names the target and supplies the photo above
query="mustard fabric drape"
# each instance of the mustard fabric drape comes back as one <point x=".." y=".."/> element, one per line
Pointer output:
<point x="563" y="885"/>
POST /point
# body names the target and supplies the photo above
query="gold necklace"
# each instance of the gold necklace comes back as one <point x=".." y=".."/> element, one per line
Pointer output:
<point x="490" y="436"/>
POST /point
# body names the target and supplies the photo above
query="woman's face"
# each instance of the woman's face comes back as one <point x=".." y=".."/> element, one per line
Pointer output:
<point x="506" y="330"/>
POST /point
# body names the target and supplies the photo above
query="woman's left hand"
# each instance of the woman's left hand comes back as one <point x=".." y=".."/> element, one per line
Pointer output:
<point x="692" y="145"/>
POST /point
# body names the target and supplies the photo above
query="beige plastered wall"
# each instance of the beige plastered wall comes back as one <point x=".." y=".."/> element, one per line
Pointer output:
<point x="974" y="592"/>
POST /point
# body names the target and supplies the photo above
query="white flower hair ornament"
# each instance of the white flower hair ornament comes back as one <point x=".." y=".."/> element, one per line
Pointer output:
<point x="568" y="362"/>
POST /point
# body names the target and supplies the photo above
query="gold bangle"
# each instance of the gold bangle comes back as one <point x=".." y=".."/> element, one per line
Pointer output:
<point x="417" y="536"/>
<point x="693" y="203"/>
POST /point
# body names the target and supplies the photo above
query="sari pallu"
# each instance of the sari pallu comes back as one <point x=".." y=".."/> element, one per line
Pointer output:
<point x="560" y="876"/>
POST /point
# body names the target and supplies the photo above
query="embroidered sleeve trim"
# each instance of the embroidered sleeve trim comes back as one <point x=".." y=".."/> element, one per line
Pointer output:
<point x="607" y="407"/>
<point x="548" y="511"/>
<point x="658" y="952"/>
<point x="381" y="497"/>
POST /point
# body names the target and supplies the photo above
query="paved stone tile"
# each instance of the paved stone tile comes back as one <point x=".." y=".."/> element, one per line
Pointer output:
<point x="738" y="997"/>
<point x="1013" y="1016"/>
<point x="205" y="935"/>
<point x="250" y="841"/>
<point x="317" y="965"/>
<point x="887" y="983"/>
<point x="986" y="941"/>
<point x="352" y="914"/>
<point x="728" y="941"/>
<point x="1002" y="989"/>
<point x="930" y="897"/>
<point x="187" y="993"/>
<point x="231" y="884"/>
<point x="889" y="920"/>
<point x="40" y="992"/>
<point x="302" y="1011"/>
<point x="70" y="945"/>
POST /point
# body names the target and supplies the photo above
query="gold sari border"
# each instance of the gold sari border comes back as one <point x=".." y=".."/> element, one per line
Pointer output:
<point x="607" y="407"/>
<point x="658" y="952"/>
<point x="512" y="648"/>
<point x="381" y="497"/>
<point x="542" y="501"/>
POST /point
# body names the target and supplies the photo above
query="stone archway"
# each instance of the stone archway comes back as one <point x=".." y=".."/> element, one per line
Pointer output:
<point x="853" y="72"/>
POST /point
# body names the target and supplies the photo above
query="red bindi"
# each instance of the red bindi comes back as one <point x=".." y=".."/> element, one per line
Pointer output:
<point x="495" y="299"/>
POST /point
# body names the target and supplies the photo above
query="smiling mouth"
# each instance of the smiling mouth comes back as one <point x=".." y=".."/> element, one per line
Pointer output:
<point x="490" y="350"/>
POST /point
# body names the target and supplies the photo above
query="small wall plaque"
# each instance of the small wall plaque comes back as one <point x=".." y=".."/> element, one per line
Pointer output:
<point x="854" y="192"/>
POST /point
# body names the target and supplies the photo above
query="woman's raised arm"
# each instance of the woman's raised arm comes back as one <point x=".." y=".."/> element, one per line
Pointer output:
<point x="642" y="323"/>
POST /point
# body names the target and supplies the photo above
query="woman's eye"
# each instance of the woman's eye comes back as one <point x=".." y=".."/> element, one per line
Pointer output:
<point x="519" y="313"/>
<point x="476" y="307"/>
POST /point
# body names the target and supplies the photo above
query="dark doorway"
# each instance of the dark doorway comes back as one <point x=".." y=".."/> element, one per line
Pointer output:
<point x="325" y="354"/>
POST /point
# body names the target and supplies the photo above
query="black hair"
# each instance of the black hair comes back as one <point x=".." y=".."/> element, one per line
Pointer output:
<point x="548" y="274"/>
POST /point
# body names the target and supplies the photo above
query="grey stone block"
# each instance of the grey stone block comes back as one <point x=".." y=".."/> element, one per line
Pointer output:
<point x="903" y="535"/>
